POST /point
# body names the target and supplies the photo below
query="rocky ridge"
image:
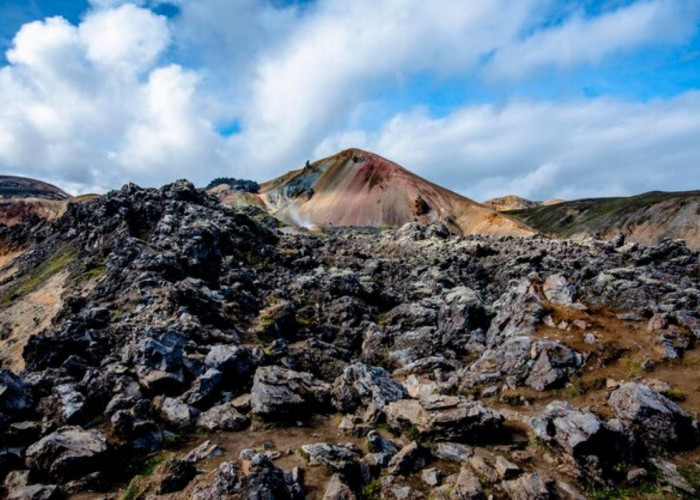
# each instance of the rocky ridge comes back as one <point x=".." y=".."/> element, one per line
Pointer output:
<point x="351" y="364"/>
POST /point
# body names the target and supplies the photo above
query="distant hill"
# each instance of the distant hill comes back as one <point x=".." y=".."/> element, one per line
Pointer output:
<point x="513" y="202"/>
<point x="646" y="218"/>
<point x="22" y="198"/>
<point x="23" y="187"/>
<point x="359" y="188"/>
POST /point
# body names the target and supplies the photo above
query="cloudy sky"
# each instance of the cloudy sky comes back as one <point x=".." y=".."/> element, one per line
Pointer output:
<point x="543" y="98"/>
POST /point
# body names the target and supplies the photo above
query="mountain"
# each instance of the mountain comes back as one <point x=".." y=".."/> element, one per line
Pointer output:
<point x="22" y="198"/>
<point x="157" y="344"/>
<point x="513" y="202"/>
<point x="24" y="187"/>
<point x="510" y="202"/>
<point x="646" y="218"/>
<point x="358" y="188"/>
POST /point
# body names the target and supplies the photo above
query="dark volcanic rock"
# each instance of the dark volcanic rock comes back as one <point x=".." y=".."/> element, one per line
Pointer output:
<point x="659" y="423"/>
<point x="68" y="453"/>
<point x="446" y="417"/>
<point x="280" y="394"/>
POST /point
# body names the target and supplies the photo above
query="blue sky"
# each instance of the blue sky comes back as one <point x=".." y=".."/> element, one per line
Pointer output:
<point x="542" y="98"/>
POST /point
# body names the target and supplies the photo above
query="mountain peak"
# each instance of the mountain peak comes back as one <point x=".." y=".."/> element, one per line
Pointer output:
<point x="360" y="188"/>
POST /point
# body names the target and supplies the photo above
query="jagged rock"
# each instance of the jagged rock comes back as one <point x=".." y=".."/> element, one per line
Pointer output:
<point x="659" y="423"/>
<point x="337" y="489"/>
<point x="159" y="362"/>
<point x="432" y="477"/>
<point x="261" y="479"/>
<point x="178" y="413"/>
<point x="506" y="469"/>
<point x="281" y="394"/>
<point x="483" y="469"/>
<point x="224" y="417"/>
<point x="234" y="362"/>
<point x="68" y="453"/>
<point x="361" y="385"/>
<point x="71" y="402"/>
<point x="531" y="486"/>
<point x="671" y="475"/>
<point x="15" y="396"/>
<point x="204" y="451"/>
<point x="554" y="364"/>
<point x="204" y="389"/>
<point x="410" y="458"/>
<point x="582" y="435"/>
<point x="446" y="417"/>
<point x="176" y="474"/>
<point x="343" y="459"/>
<point x="35" y="492"/>
<point x="227" y="480"/>
<point x="467" y="487"/>
<point x="378" y="444"/>
<point x="557" y="289"/>
<point x="454" y="452"/>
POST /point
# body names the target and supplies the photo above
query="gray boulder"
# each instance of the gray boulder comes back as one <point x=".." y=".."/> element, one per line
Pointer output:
<point x="445" y="417"/>
<point x="531" y="486"/>
<point x="659" y="423"/>
<point x="280" y="394"/>
<point x="361" y="385"/>
<point x="224" y="417"/>
<point x="593" y="446"/>
<point x="68" y="453"/>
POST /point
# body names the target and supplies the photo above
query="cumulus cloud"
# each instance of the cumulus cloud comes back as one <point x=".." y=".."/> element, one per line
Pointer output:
<point x="345" y="50"/>
<point x="588" y="40"/>
<point x="88" y="106"/>
<point x="596" y="147"/>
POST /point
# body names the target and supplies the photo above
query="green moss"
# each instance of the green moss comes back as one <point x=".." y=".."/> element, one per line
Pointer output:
<point x="54" y="264"/>
<point x="576" y="388"/>
<point x="372" y="490"/>
<point x="412" y="433"/>
<point x="692" y="475"/>
<point x="303" y="454"/>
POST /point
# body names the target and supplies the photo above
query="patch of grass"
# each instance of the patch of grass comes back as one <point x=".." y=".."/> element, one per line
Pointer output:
<point x="691" y="474"/>
<point x="511" y="398"/>
<point x="134" y="491"/>
<point x="54" y="264"/>
<point x="151" y="464"/>
<point x="644" y="490"/>
<point x="372" y="490"/>
<point x="633" y="368"/>
<point x="676" y="395"/>
<point x="412" y="433"/>
<point x="576" y="388"/>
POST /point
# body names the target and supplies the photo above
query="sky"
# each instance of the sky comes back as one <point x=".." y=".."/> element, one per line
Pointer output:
<point x="540" y="98"/>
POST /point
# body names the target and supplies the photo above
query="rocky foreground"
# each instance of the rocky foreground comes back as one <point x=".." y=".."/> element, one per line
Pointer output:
<point x="196" y="352"/>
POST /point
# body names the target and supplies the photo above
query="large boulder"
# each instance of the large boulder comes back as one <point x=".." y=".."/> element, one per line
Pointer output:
<point x="659" y="423"/>
<point x="594" y="446"/>
<point x="223" y="417"/>
<point x="361" y="385"/>
<point x="554" y="363"/>
<point x="445" y="417"/>
<point x="281" y="394"/>
<point x="69" y="453"/>
<point x="558" y="290"/>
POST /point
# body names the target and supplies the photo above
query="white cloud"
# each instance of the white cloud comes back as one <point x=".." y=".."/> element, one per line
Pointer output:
<point x="88" y="106"/>
<point x="546" y="150"/>
<point x="125" y="39"/>
<point x="346" y="50"/>
<point x="581" y="40"/>
<point x="127" y="95"/>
